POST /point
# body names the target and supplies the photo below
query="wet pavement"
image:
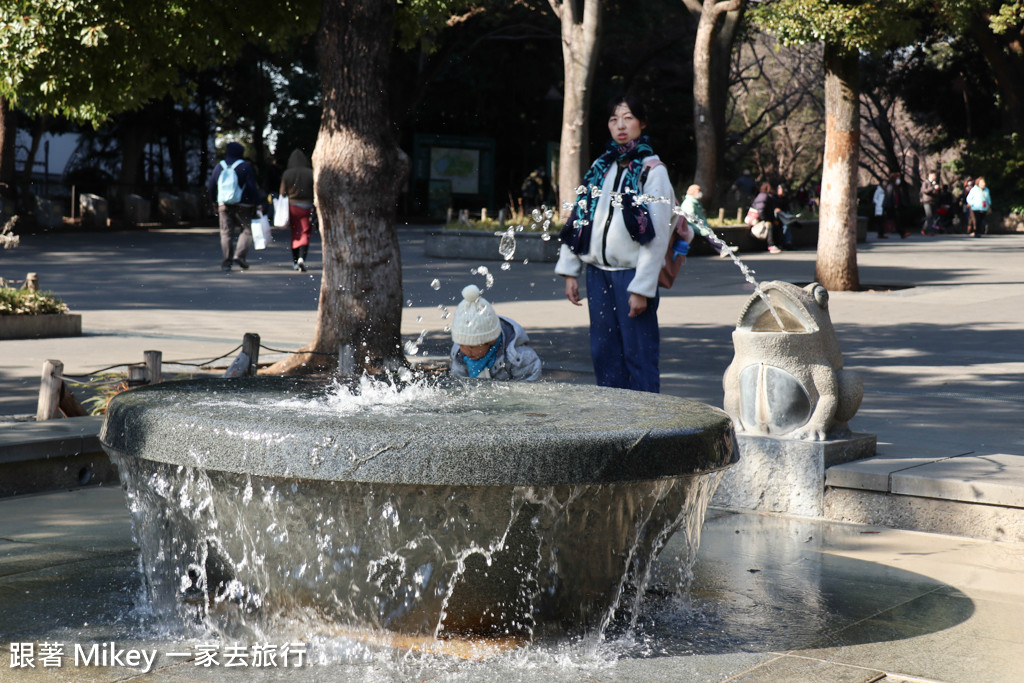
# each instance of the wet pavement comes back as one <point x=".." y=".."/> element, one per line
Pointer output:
<point x="773" y="599"/>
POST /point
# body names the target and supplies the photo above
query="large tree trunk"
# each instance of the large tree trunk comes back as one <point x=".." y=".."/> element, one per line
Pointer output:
<point x="358" y="170"/>
<point x="836" y="266"/>
<point x="8" y="134"/>
<point x="708" y="117"/>
<point x="579" y="57"/>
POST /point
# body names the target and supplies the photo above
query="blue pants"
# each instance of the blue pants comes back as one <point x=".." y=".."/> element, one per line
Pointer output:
<point x="625" y="350"/>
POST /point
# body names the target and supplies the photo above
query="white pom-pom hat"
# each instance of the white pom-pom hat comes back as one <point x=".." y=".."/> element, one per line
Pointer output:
<point x="475" y="320"/>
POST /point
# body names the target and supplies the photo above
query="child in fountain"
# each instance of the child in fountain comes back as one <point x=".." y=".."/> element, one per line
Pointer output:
<point x="489" y="346"/>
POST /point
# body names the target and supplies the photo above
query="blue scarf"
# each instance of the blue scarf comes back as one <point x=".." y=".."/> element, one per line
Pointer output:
<point x="475" y="367"/>
<point x="578" y="228"/>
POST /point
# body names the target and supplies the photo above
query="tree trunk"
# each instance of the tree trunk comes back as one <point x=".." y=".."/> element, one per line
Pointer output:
<point x="8" y="135"/>
<point x="836" y="266"/>
<point x="134" y="132"/>
<point x="579" y="58"/>
<point x="30" y="160"/>
<point x="358" y="170"/>
<point x="707" y="119"/>
<point x="721" y="67"/>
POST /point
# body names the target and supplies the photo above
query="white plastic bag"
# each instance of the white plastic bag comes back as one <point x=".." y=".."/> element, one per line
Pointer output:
<point x="281" y="212"/>
<point x="261" y="235"/>
<point x="760" y="229"/>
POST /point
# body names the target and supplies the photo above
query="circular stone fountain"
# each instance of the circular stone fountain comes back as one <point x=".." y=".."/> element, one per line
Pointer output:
<point x="480" y="507"/>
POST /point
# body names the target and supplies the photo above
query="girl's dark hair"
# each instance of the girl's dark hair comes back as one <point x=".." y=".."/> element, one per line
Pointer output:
<point x="631" y="101"/>
<point x="766" y="188"/>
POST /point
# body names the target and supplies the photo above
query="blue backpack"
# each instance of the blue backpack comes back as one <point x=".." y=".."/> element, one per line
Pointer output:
<point x="228" y="189"/>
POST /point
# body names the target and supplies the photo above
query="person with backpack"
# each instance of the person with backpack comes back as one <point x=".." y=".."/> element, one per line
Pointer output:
<point x="620" y="244"/>
<point x="232" y="185"/>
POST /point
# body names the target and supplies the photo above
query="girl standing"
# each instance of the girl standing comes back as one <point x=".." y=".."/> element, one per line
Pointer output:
<point x="620" y="240"/>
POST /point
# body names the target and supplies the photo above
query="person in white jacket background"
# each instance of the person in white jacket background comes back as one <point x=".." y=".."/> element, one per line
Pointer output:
<point x="878" y="216"/>
<point x="618" y="232"/>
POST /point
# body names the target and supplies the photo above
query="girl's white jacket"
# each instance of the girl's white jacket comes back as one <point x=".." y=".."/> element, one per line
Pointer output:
<point x="611" y="247"/>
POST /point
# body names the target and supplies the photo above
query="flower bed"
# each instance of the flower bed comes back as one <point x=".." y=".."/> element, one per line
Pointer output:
<point x="26" y="314"/>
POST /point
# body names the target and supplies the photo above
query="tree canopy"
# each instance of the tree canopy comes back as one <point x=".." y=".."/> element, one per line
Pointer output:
<point x="850" y="27"/>
<point x="89" y="59"/>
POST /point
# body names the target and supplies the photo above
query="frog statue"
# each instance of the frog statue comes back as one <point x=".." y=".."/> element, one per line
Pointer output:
<point x="787" y="377"/>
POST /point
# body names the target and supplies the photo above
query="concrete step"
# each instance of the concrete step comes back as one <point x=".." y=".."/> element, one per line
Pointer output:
<point x="52" y="455"/>
<point x="979" y="495"/>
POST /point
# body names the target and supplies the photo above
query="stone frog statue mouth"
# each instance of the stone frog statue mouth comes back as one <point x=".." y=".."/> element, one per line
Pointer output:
<point x="789" y="380"/>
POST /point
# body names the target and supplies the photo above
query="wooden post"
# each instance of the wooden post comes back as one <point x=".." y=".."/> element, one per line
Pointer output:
<point x="154" y="366"/>
<point x="721" y="214"/>
<point x="483" y="214"/>
<point x="49" y="390"/>
<point x="739" y="215"/>
<point x="32" y="282"/>
<point x="449" y="216"/>
<point x="251" y="348"/>
<point x="136" y="375"/>
<point x="502" y="217"/>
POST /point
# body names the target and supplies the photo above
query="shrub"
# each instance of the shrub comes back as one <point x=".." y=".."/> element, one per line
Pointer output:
<point x="25" y="302"/>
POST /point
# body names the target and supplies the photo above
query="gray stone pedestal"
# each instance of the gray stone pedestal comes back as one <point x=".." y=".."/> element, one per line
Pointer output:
<point x="94" y="210"/>
<point x="136" y="209"/>
<point x="786" y="475"/>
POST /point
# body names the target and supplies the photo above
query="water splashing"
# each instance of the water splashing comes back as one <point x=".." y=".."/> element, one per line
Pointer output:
<point x="702" y="228"/>
<point x="507" y="246"/>
<point x="413" y="347"/>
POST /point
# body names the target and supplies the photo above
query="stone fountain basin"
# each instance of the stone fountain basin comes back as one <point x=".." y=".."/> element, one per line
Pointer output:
<point x="475" y="507"/>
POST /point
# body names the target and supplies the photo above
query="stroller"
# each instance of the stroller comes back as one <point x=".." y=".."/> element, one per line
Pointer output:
<point x="943" y="222"/>
<point x="944" y="214"/>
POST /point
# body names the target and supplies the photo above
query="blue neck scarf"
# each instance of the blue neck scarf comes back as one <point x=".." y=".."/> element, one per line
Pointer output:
<point x="475" y="367"/>
<point x="578" y="228"/>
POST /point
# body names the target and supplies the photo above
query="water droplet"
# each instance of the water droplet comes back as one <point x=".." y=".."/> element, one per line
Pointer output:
<point x="411" y="349"/>
<point x="409" y="303"/>
<point x="582" y="189"/>
<point x="507" y="247"/>
<point x="435" y="284"/>
<point x="447" y="328"/>
<point x="506" y="265"/>
<point x="490" y="280"/>
<point x="419" y="318"/>
<point x="482" y="270"/>
<point x="525" y="261"/>
<point x="536" y="215"/>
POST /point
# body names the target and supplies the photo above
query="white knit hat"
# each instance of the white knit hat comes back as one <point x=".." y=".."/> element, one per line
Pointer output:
<point x="475" y="320"/>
